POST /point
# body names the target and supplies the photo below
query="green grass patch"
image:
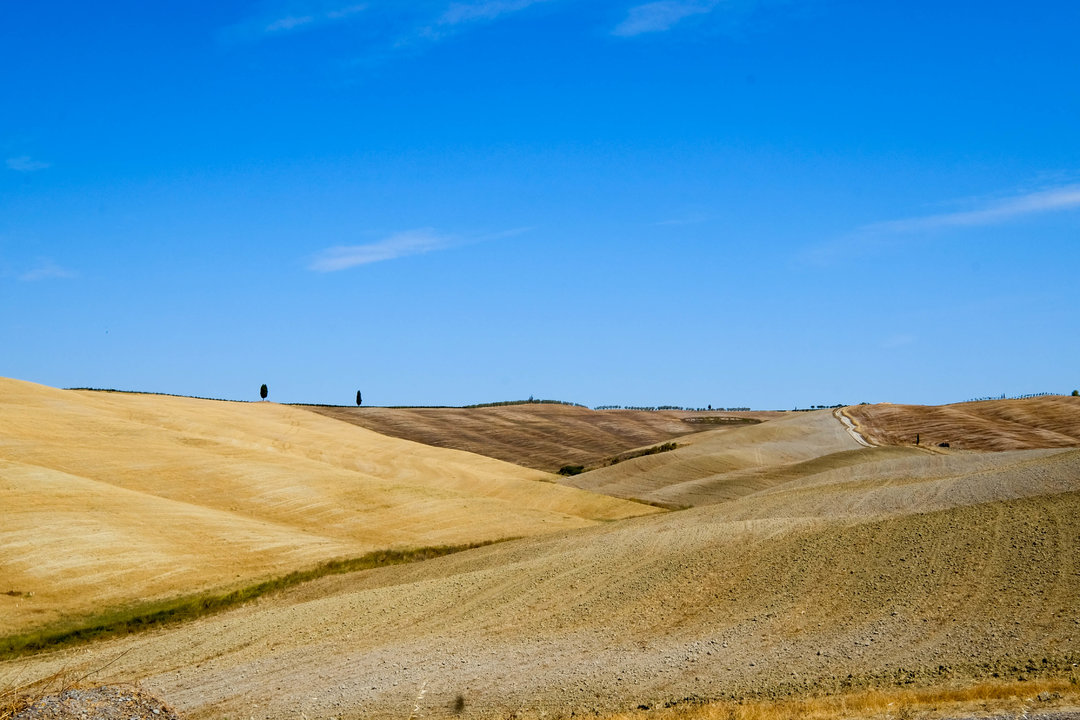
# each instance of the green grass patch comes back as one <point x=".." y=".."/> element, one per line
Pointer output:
<point x="147" y="615"/>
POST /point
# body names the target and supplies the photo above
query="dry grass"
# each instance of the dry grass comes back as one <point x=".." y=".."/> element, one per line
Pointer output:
<point x="925" y="703"/>
<point x="16" y="693"/>
<point x="112" y="498"/>
<point x="143" y="616"/>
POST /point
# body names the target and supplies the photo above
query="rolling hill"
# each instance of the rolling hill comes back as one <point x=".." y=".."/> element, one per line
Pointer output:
<point x="112" y="498"/>
<point x="930" y="570"/>
<point x="808" y="564"/>
<point x="729" y="462"/>
<point x="1040" y="422"/>
<point x="537" y="435"/>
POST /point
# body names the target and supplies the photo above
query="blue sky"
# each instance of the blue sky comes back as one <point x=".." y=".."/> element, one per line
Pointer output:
<point x="746" y="203"/>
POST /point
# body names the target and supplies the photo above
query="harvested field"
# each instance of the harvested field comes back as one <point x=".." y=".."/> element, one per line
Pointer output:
<point x="930" y="569"/>
<point x="112" y="498"/>
<point x="1042" y="422"/>
<point x="811" y="565"/>
<point x="729" y="462"/>
<point x="542" y="436"/>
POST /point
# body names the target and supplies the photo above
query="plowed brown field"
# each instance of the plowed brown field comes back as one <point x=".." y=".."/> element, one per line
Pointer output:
<point x="538" y="435"/>
<point x="1042" y="422"/>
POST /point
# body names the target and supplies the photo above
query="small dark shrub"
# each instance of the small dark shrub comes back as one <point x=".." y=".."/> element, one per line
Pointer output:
<point x="571" y="469"/>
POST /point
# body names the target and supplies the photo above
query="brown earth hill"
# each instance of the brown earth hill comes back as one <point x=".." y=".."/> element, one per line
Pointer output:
<point x="1043" y="422"/>
<point x="544" y="436"/>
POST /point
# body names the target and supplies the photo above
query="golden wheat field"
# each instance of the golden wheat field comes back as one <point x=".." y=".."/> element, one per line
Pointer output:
<point x="111" y="498"/>
<point x="805" y="567"/>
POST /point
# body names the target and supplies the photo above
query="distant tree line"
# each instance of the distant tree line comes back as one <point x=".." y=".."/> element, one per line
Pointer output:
<point x="531" y="400"/>
<point x="1015" y="397"/>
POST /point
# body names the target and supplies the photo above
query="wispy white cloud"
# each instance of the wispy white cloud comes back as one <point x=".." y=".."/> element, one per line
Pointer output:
<point x="464" y="12"/>
<point x="25" y="163"/>
<point x="695" y="219"/>
<point x="47" y="270"/>
<point x="459" y="15"/>
<point x="304" y="17"/>
<point x="898" y="341"/>
<point x="1065" y="197"/>
<point x="412" y="242"/>
<point x="403" y="244"/>
<point x="980" y="213"/>
<point x="660" y="16"/>
<point x="293" y="22"/>
<point x="289" y="22"/>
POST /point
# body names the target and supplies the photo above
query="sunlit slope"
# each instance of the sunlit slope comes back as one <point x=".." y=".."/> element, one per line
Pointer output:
<point x="1042" y="422"/>
<point x="538" y="435"/>
<point x="933" y="568"/>
<point x="727" y="463"/>
<point x="111" y="497"/>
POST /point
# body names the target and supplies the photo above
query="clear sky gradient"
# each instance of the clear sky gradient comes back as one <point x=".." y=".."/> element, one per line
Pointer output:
<point x="689" y="202"/>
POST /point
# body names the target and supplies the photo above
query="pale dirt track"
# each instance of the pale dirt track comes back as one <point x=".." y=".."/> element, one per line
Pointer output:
<point x="1041" y="422"/>
<point x="928" y="568"/>
<point x="109" y="498"/>
<point x="538" y="435"/>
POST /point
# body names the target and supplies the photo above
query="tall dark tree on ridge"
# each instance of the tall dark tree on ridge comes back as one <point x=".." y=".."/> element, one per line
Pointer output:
<point x="359" y="397"/>
<point x="263" y="392"/>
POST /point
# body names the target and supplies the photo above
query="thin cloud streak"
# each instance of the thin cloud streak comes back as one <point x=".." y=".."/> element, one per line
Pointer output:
<point x="689" y="220"/>
<point x="288" y="23"/>
<point x="413" y="242"/>
<point x="47" y="270"/>
<point x="292" y="22"/>
<point x="661" y="16"/>
<point x="266" y="26"/>
<point x="459" y="12"/>
<point x="897" y="232"/>
<point x="403" y="244"/>
<point x="25" y="163"/>
<point x="1062" y="198"/>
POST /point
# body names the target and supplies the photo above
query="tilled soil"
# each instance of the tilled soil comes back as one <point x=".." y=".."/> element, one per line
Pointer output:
<point x="542" y="436"/>
<point x="825" y="584"/>
<point x="1042" y="422"/>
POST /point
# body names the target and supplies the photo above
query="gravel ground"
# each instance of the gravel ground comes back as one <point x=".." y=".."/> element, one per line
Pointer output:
<point x="100" y="703"/>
